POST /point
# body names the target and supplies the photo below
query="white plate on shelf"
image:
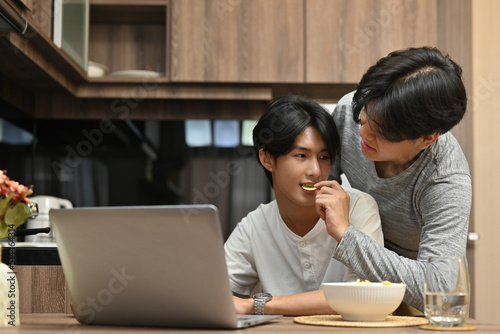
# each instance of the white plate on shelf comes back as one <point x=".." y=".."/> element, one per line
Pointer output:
<point x="135" y="73"/>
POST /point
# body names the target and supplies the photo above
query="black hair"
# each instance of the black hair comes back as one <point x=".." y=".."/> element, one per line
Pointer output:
<point x="285" y="118"/>
<point x="412" y="93"/>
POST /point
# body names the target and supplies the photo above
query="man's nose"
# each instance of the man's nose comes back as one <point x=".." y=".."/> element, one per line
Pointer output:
<point x="366" y="132"/>
<point x="314" y="168"/>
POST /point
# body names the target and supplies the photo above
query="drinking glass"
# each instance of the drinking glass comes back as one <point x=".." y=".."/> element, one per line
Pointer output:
<point x="447" y="291"/>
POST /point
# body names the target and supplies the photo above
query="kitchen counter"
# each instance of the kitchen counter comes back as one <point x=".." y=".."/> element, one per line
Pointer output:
<point x="30" y="254"/>
<point x="42" y="285"/>
<point x="64" y="323"/>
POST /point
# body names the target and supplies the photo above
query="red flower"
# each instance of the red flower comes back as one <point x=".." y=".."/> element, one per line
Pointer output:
<point x="19" y="191"/>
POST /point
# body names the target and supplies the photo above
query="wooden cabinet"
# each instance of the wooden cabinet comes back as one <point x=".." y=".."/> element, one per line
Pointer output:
<point x="292" y="41"/>
<point x="345" y="37"/>
<point x="25" y="3"/>
<point x="42" y="289"/>
<point x="244" y="50"/>
<point x="237" y="41"/>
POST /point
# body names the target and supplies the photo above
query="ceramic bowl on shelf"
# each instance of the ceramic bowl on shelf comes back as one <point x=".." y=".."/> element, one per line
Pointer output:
<point x="96" y="70"/>
<point x="364" y="302"/>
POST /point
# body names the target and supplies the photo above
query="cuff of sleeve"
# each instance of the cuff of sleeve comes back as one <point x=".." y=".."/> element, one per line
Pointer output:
<point x="341" y="251"/>
<point x="240" y="290"/>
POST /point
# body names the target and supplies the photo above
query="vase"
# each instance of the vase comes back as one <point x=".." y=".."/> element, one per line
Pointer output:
<point x="9" y="297"/>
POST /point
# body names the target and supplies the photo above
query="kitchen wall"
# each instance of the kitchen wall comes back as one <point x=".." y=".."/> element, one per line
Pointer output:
<point x="485" y="101"/>
<point x="116" y="169"/>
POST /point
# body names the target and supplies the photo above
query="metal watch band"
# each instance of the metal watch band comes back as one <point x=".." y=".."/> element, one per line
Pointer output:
<point x="259" y="304"/>
<point x="260" y="300"/>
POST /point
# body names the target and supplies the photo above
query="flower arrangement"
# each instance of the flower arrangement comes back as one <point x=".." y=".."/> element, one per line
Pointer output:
<point x="15" y="206"/>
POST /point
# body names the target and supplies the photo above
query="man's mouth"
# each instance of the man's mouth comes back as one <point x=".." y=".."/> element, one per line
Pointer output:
<point x="309" y="187"/>
<point x="366" y="146"/>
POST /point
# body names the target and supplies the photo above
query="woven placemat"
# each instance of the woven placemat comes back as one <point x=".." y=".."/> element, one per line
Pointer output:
<point x="336" y="320"/>
<point x="454" y="329"/>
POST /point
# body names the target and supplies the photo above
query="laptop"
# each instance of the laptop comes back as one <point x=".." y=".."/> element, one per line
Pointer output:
<point x="147" y="266"/>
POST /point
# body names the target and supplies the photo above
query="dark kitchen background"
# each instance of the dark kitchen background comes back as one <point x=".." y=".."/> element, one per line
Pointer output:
<point x="123" y="162"/>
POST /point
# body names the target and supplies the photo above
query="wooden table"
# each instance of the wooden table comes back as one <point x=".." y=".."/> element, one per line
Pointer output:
<point x="63" y="323"/>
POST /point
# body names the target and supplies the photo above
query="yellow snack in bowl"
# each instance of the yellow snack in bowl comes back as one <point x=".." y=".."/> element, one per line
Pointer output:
<point x="367" y="282"/>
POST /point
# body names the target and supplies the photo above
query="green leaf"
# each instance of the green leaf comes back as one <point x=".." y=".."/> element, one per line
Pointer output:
<point x="14" y="217"/>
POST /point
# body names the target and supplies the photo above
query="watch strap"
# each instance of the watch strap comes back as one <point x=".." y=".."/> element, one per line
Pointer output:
<point x="259" y="305"/>
<point x="260" y="300"/>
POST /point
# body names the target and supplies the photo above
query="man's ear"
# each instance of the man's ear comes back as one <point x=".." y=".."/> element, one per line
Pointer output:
<point x="266" y="159"/>
<point x="428" y="140"/>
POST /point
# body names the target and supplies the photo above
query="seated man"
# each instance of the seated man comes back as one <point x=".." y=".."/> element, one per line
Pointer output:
<point x="284" y="244"/>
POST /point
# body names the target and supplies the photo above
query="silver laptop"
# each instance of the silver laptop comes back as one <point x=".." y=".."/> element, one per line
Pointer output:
<point x="147" y="266"/>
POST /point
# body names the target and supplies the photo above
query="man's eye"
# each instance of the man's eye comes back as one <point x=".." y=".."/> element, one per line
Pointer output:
<point x="325" y="157"/>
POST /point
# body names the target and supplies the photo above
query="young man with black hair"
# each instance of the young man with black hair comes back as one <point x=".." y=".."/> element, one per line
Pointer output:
<point x="396" y="146"/>
<point x="284" y="245"/>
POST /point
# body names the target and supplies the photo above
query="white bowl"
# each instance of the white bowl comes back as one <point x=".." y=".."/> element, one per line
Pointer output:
<point x="96" y="70"/>
<point x="364" y="302"/>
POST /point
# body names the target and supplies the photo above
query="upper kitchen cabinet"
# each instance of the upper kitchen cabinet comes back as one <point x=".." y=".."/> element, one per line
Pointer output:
<point x="292" y="41"/>
<point x="241" y="41"/>
<point x="345" y="37"/>
<point x="245" y="50"/>
<point x="128" y="37"/>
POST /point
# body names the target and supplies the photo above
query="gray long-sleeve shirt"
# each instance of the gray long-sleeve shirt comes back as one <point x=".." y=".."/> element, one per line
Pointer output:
<point x="424" y="210"/>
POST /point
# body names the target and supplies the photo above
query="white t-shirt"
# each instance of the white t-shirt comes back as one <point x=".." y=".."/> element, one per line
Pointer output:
<point x="262" y="248"/>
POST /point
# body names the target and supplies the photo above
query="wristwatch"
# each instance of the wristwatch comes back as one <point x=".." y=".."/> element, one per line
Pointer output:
<point x="260" y="300"/>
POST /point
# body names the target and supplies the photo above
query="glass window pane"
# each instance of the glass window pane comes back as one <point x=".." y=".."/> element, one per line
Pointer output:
<point x="226" y="133"/>
<point x="246" y="132"/>
<point x="14" y="135"/>
<point x="198" y="133"/>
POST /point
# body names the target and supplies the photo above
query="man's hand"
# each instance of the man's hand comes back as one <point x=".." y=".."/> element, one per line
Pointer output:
<point x="332" y="204"/>
<point x="243" y="305"/>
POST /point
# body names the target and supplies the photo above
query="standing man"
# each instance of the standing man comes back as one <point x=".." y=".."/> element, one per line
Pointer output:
<point x="396" y="146"/>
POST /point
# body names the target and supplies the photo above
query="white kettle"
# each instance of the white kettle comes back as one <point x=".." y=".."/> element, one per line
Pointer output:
<point x="45" y="203"/>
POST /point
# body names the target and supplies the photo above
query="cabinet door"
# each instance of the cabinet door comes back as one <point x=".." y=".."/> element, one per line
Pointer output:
<point x="345" y="37"/>
<point x="237" y="41"/>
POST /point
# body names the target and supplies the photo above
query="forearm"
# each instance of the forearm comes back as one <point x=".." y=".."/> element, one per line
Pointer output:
<point x="373" y="262"/>
<point x="307" y="303"/>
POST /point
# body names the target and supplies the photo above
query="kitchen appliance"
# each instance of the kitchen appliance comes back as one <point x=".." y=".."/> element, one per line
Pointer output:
<point x="42" y="221"/>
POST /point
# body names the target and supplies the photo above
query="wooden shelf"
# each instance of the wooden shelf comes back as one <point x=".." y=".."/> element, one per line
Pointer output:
<point x="159" y="88"/>
<point x="127" y="80"/>
<point x="136" y="13"/>
<point x="128" y="35"/>
<point x="128" y="2"/>
<point x="48" y="62"/>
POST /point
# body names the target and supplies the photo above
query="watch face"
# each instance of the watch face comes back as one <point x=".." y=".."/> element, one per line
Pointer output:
<point x="263" y="295"/>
